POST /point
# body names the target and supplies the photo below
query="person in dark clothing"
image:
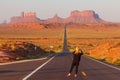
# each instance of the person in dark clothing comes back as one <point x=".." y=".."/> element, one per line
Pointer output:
<point x="75" y="62"/>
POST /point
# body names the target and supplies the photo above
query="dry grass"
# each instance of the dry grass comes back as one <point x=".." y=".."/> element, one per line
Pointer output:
<point x="87" y="33"/>
<point x="24" y="33"/>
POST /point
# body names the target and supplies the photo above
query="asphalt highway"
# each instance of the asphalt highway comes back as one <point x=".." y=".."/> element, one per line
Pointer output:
<point x="89" y="69"/>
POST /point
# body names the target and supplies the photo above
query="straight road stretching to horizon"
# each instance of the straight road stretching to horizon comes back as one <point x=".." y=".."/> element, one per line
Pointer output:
<point x="57" y="66"/>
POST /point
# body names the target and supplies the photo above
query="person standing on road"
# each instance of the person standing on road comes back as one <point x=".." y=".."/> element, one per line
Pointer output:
<point x="75" y="62"/>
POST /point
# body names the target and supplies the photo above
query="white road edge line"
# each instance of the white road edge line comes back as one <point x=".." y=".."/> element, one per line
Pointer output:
<point x="105" y="64"/>
<point x="37" y="69"/>
<point x="21" y="61"/>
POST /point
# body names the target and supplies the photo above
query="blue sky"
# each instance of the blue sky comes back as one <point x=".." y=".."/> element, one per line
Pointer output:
<point x="107" y="9"/>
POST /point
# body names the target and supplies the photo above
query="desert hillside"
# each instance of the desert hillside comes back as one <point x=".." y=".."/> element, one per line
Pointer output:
<point x="16" y="50"/>
<point x="109" y="52"/>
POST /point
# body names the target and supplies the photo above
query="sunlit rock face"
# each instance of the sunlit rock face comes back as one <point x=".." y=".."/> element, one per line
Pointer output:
<point x="84" y="16"/>
<point x="56" y="18"/>
<point x="25" y="17"/>
<point x="87" y="16"/>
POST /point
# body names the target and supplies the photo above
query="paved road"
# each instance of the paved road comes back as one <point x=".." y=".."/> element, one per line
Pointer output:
<point x="57" y="69"/>
<point x="65" y="46"/>
<point x="17" y="71"/>
<point x="96" y="70"/>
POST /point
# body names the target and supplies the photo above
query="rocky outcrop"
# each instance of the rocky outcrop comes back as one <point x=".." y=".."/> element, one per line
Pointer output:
<point x="85" y="16"/>
<point x="76" y="16"/>
<point x="25" y="17"/>
<point x="56" y="18"/>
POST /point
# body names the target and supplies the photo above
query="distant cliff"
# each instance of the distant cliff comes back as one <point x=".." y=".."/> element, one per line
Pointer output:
<point x="84" y="16"/>
<point x="25" y="17"/>
<point x="87" y="16"/>
<point x="56" y="18"/>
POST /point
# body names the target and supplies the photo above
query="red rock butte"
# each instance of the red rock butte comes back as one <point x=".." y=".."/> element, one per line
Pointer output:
<point x="87" y="16"/>
<point x="25" y="17"/>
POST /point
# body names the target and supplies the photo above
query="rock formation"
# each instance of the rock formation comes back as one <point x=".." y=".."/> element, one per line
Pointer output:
<point x="56" y="18"/>
<point x="25" y="17"/>
<point x="76" y="16"/>
<point x="87" y="16"/>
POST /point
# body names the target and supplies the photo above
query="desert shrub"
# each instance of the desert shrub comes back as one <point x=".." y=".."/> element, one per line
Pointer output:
<point x="59" y="46"/>
<point x="12" y="47"/>
<point x="91" y="45"/>
<point x="0" y="45"/>
<point x="117" y="62"/>
<point x="4" y="45"/>
<point x="19" y="58"/>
